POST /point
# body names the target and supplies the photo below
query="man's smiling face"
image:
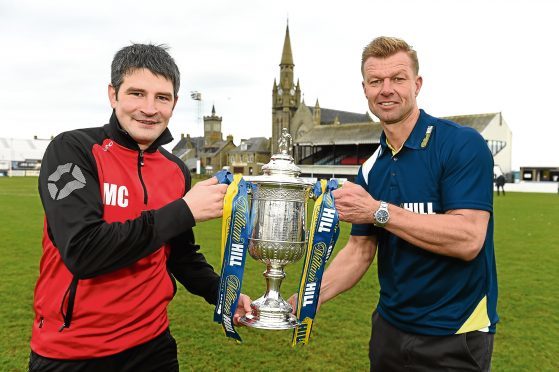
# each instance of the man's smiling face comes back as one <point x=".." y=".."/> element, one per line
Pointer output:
<point x="391" y="87"/>
<point x="143" y="105"/>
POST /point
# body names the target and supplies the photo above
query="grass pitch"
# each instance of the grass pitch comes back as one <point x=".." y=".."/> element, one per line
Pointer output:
<point x="527" y="250"/>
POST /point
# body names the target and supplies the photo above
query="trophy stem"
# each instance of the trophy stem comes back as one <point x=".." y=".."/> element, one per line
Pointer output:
<point x="274" y="277"/>
<point x="271" y="311"/>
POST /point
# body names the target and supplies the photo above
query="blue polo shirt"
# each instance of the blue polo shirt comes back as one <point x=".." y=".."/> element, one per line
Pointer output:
<point x="442" y="166"/>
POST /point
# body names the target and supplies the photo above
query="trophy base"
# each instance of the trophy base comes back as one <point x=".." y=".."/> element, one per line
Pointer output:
<point x="253" y="321"/>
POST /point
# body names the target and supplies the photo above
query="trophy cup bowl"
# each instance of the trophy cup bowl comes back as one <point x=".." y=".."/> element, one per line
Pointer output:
<point x="278" y="219"/>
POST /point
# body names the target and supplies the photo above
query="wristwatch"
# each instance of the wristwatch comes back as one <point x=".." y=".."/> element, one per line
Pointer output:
<point x="381" y="215"/>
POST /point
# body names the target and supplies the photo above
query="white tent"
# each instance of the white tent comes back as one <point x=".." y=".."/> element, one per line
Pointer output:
<point x="21" y="156"/>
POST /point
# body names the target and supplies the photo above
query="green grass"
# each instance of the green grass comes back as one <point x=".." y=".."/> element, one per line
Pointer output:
<point x="527" y="249"/>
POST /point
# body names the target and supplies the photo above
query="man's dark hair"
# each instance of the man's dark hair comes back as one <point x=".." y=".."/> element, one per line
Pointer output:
<point x="153" y="57"/>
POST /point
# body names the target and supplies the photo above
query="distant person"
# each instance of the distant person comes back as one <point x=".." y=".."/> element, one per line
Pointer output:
<point x="500" y="183"/>
<point x="424" y="200"/>
<point x="119" y="213"/>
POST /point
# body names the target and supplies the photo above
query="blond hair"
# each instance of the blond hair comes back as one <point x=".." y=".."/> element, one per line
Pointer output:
<point x="385" y="46"/>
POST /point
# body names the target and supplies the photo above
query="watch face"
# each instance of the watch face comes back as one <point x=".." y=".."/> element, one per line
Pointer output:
<point x="381" y="216"/>
<point x="292" y="92"/>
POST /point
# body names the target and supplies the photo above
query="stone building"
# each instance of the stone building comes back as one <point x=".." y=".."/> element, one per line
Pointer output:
<point x="249" y="157"/>
<point x="206" y="154"/>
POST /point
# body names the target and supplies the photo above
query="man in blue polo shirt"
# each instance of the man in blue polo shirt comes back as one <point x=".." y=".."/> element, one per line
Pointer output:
<point x="424" y="201"/>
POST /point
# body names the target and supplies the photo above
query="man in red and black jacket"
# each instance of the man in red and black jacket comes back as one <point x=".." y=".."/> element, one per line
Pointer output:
<point x="119" y="213"/>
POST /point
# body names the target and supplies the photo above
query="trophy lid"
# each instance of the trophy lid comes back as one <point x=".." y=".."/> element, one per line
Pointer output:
<point x="281" y="168"/>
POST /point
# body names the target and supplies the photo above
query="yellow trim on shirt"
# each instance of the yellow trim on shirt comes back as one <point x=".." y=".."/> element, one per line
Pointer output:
<point x="479" y="320"/>
<point x="394" y="151"/>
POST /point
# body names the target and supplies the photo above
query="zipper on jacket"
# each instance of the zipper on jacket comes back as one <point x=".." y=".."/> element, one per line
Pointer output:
<point x="140" y="165"/>
<point x="41" y="322"/>
<point x="71" y="294"/>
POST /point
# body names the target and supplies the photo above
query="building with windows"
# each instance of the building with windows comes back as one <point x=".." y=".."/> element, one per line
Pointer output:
<point x="539" y="173"/>
<point x="207" y="154"/>
<point x="249" y="157"/>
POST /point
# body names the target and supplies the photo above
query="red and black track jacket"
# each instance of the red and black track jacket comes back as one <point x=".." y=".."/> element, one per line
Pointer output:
<point x="116" y="232"/>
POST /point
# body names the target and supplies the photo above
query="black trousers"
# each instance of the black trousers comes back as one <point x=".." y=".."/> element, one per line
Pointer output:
<point x="159" y="354"/>
<point x="393" y="350"/>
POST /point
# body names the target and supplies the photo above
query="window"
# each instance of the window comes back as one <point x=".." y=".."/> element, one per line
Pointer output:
<point x="495" y="146"/>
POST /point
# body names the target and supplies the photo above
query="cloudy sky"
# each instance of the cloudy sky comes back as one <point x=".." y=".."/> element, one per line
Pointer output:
<point x="476" y="56"/>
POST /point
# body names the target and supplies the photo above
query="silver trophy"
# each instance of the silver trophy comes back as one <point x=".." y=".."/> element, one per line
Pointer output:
<point x="279" y="236"/>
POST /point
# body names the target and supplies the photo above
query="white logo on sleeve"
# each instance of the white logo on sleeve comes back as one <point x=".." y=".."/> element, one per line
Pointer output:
<point x="75" y="180"/>
<point x="421" y="208"/>
<point x="115" y="195"/>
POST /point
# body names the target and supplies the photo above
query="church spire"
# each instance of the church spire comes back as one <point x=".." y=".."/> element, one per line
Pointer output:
<point x="286" y="96"/>
<point x="287" y="56"/>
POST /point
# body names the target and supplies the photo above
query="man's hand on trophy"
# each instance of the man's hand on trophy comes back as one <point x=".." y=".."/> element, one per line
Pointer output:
<point x="205" y="199"/>
<point x="243" y="307"/>
<point x="354" y="204"/>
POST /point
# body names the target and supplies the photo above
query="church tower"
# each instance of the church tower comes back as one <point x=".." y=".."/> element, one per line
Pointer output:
<point x="286" y="95"/>
<point x="212" y="129"/>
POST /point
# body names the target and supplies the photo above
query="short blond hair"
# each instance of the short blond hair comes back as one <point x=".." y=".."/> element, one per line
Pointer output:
<point x="385" y="46"/>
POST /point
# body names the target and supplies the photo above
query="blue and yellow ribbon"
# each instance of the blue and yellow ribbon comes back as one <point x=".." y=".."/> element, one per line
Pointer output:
<point x="235" y="231"/>
<point x="324" y="233"/>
